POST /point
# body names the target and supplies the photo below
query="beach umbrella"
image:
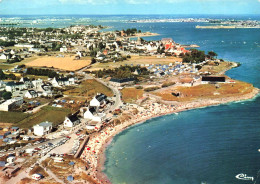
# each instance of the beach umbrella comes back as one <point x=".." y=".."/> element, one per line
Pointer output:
<point x="71" y="163"/>
<point x="88" y="148"/>
<point x="70" y="178"/>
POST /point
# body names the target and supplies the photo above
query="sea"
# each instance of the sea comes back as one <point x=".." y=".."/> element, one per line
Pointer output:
<point x="208" y="145"/>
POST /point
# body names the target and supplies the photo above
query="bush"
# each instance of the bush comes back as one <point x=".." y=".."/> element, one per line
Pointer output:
<point x="168" y="84"/>
<point x="139" y="87"/>
<point x="151" y="89"/>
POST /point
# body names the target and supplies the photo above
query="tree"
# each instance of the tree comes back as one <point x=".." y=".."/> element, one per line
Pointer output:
<point x="212" y="54"/>
<point x="93" y="60"/>
<point x="7" y="95"/>
<point x="2" y="75"/>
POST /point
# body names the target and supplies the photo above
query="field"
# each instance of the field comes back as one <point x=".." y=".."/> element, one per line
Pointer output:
<point x="63" y="63"/>
<point x="89" y="88"/>
<point x="205" y="91"/>
<point x="47" y="113"/>
<point x="12" y="117"/>
<point x="130" y="95"/>
<point x="217" y="69"/>
<point x="135" y="60"/>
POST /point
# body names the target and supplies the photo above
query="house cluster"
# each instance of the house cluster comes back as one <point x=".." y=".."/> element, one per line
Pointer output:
<point x="93" y="113"/>
<point x="13" y="54"/>
<point x="26" y="88"/>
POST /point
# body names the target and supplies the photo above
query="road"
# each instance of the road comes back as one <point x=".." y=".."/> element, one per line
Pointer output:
<point x="116" y="92"/>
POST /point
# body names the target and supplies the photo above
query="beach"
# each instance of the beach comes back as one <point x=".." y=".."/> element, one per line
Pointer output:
<point x="94" y="153"/>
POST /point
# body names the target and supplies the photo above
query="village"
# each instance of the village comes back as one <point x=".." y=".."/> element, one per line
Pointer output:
<point x="61" y="89"/>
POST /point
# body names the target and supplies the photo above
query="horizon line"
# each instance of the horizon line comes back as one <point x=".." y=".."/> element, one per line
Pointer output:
<point x="131" y="14"/>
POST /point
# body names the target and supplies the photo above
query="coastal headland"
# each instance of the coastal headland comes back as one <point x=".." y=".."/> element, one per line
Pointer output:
<point x="161" y="102"/>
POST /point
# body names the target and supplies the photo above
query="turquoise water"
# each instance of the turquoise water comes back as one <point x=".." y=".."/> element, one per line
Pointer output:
<point x="210" y="145"/>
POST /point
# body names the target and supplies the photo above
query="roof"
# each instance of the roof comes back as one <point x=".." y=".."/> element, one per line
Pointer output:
<point x="32" y="92"/>
<point x="214" y="79"/>
<point x="101" y="97"/>
<point x="92" y="110"/>
<point x="45" y="124"/>
<point x="63" y="79"/>
<point x="73" y="118"/>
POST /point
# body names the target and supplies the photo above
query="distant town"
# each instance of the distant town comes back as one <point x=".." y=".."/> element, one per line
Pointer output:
<point x="65" y="92"/>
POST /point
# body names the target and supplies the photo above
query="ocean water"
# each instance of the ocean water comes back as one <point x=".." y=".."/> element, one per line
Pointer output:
<point x="208" y="145"/>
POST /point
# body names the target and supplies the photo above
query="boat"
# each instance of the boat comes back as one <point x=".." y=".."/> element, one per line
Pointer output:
<point x="244" y="177"/>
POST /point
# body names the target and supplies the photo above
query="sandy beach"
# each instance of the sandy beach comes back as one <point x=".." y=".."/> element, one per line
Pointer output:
<point x="94" y="153"/>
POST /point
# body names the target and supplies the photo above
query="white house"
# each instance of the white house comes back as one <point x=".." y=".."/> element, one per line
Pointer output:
<point x="62" y="81"/>
<point x="11" y="103"/>
<point x="71" y="121"/>
<point x="31" y="94"/>
<point x="42" y="128"/>
<point x="10" y="159"/>
<point x="37" y="83"/>
<point x="26" y="81"/>
<point x="93" y="116"/>
<point x="63" y="49"/>
<point x="98" y="100"/>
<point x="5" y="56"/>
<point x="14" y="86"/>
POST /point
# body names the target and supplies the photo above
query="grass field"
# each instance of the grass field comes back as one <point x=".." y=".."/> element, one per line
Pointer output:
<point x="135" y="60"/>
<point x="6" y="67"/>
<point x="63" y="63"/>
<point x="47" y="113"/>
<point x="89" y="88"/>
<point x="130" y="95"/>
<point x="215" y="69"/>
<point x="12" y="117"/>
<point x="206" y="91"/>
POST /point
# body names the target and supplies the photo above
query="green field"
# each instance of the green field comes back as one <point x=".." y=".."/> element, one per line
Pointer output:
<point x="24" y="120"/>
<point x="89" y="88"/>
<point x="47" y="113"/>
<point x="12" y="117"/>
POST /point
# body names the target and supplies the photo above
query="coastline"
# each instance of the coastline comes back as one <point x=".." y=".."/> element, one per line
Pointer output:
<point x="101" y="157"/>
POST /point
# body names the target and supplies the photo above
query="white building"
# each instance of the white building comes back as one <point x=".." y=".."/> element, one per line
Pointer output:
<point x="10" y="159"/>
<point x="31" y="94"/>
<point x="14" y="86"/>
<point x="63" y="49"/>
<point x="93" y="116"/>
<point x="11" y="103"/>
<point x="71" y="121"/>
<point x="98" y="100"/>
<point x="37" y="83"/>
<point x="24" y="45"/>
<point x="42" y="128"/>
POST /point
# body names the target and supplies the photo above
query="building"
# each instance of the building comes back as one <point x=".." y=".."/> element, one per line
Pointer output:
<point x="14" y="86"/>
<point x="31" y="94"/>
<point x="209" y="79"/>
<point x="42" y="128"/>
<point x="98" y="100"/>
<point x="71" y="121"/>
<point x="11" y="104"/>
<point x="62" y="81"/>
<point x="93" y="116"/>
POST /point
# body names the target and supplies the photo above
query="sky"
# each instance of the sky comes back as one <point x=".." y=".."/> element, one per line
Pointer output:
<point x="115" y="7"/>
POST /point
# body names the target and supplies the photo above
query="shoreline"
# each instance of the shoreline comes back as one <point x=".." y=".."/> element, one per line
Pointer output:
<point x="163" y="110"/>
